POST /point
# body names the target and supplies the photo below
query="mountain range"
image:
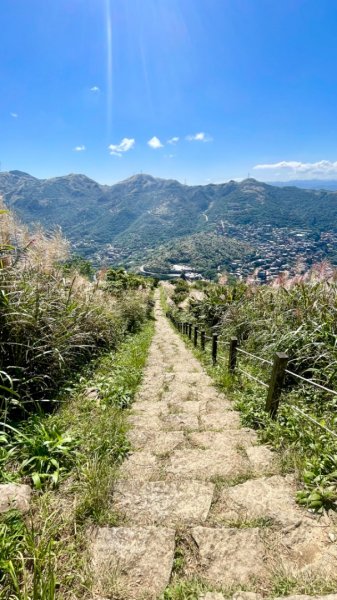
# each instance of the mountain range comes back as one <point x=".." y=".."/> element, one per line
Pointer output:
<point x="127" y="222"/>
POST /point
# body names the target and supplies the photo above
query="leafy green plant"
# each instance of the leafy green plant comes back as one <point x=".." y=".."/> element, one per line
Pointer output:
<point x="43" y="452"/>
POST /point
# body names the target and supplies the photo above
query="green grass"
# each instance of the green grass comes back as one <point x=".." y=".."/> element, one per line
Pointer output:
<point x="185" y="590"/>
<point x="194" y="588"/>
<point x="286" y="585"/>
<point x="45" y="555"/>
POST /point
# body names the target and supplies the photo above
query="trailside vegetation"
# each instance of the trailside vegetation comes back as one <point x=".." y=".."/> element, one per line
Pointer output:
<point x="297" y="316"/>
<point x="72" y="351"/>
<point x="44" y="554"/>
<point x="53" y="319"/>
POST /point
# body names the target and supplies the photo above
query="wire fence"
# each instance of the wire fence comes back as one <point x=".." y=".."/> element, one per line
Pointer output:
<point x="277" y="373"/>
<point x="262" y="360"/>
<point x="250" y="376"/>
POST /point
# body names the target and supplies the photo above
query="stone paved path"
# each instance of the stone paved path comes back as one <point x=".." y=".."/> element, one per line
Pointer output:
<point x="197" y="482"/>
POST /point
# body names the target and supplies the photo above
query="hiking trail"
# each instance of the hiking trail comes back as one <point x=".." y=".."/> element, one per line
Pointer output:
<point x="199" y="498"/>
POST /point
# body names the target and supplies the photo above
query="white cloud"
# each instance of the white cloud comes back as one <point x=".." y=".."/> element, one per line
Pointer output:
<point x="199" y="137"/>
<point x="95" y="88"/>
<point x="155" y="143"/>
<point x="125" y="145"/>
<point x="173" y="140"/>
<point x="293" y="168"/>
<point x="14" y="115"/>
<point x="79" y="148"/>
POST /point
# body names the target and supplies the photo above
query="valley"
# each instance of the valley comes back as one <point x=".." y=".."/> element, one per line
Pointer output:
<point x="233" y="228"/>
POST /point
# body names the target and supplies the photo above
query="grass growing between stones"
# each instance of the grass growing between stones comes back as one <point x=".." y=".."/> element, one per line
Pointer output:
<point x="44" y="554"/>
<point x="185" y="590"/>
<point x="281" y="586"/>
<point x="285" y="585"/>
<point x="195" y="589"/>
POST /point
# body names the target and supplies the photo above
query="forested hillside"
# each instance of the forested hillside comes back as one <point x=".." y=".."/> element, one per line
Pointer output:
<point x="126" y="222"/>
<point x="202" y="252"/>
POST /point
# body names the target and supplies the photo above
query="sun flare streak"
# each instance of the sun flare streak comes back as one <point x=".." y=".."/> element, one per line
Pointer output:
<point x="109" y="67"/>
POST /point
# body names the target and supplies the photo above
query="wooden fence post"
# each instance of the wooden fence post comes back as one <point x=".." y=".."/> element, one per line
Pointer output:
<point x="190" y="331"/>
<point x="186" y="329"/>
<point x="214" y="347"/>
<point x="233" y="345"/>
<point x="276" y="383"/>
<point x="202" y="340"/>
<point x="195" y="339"/>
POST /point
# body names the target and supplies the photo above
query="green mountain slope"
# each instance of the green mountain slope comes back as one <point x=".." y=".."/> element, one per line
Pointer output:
<point x="124" y="222"/>
<point x="203" y="252"/>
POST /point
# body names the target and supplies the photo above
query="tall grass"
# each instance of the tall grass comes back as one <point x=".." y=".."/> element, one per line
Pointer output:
<point x="297" y="316"/>
<point x="62" y="438"/>
<point x="52" y="320"/>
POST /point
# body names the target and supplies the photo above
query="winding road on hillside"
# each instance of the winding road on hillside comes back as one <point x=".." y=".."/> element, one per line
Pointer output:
<point x="199" y="498"/>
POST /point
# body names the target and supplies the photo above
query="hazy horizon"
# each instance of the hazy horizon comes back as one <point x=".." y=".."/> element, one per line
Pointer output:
<point x="185" y="182"/>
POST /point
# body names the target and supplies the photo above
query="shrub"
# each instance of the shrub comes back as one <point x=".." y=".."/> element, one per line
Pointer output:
<point x="44" y="451"/>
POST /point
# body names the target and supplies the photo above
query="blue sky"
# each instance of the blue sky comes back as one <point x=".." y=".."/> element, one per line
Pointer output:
<point x="237" y="86"/>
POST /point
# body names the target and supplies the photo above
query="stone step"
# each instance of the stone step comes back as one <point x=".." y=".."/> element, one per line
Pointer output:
<point x="15" y="496"/>
<point x="145" y="421"/>
<point x="158" y="442"/>
<point x="180" y="421"/>
<point x="150" y="407"/>
<point x="192" y="407"/>
<point x="307" y="548"/>
<point x="220" y="420"/>
<point x="230" y="556"/>
<point x="131" y="562"/>
<point x="216" y="401"/>
<point x="206" y="464"/>
<point x="262" y="460"/>
<point x="267" y="497"/>
<point x="171" y="503"/>
<point x="220" y="440"/>
<point x="141" y="465"/>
